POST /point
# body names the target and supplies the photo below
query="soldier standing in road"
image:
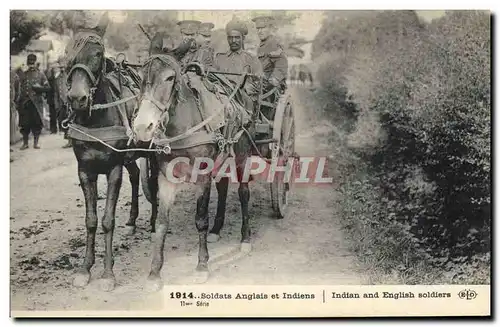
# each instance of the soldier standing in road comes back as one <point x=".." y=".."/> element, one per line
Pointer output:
<point x="237" y="60"/>
<point x="50" y="99"/>
<point x="60" y="98"/>
<point x="272" y="56"/>
<point x="30" y="102"/>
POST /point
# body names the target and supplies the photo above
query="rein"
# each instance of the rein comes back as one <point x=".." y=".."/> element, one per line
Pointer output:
<point x="84" y="38"/>
<point x="164" y="108"/>
<point x="77" y="47"/>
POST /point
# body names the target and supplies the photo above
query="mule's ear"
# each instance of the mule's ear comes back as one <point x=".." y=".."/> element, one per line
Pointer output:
<point x="156" y="45"/>
<point x="103" y="24"/>
<point x="182" y="48"/>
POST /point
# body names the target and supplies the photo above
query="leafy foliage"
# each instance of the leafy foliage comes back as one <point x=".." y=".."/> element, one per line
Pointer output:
<point x="23" y="29"/>
<point x="423" y="189"/>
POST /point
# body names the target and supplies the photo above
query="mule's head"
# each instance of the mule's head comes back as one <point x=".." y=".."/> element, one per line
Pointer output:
<point x="161" y="77"/>
<point x="86" y="64"/>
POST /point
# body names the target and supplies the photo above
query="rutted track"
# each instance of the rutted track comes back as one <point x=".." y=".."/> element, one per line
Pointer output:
<point x="48" y="233"/>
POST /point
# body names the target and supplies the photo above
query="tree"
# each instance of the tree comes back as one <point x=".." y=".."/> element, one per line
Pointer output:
<point x="118" y="42"/>
<point x="23" y="29"/>
<point x="127" y="37"/>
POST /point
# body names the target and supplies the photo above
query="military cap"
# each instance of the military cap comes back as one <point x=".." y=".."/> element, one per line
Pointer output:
<point x="31" y="58"/>
<point x="237" y="25"/>
<point x="189" y="26"/>
<point x="263" y="21"/>
<point x="206" y="29"/>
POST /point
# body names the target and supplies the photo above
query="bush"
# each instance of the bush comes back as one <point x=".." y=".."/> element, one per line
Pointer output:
<point x="423" y="135"/>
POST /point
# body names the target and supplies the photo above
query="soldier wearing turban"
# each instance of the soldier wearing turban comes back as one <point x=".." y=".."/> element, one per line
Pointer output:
<point x="237" y="60"/>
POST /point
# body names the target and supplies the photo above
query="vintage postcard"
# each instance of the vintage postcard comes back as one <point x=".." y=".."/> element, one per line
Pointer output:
<point x="250" y="163"/>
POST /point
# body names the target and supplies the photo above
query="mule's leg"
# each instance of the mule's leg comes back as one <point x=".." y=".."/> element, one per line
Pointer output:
<point x="153" y="189"/>
<point x="114" y="176"/>
<point x="201" y="221"/>
<point x="244" y="195"/>
<point x="222" y="187"/>
<point x="88" y="183"/>
<point x="133" y="172"/>
<point x="166" y="192"/>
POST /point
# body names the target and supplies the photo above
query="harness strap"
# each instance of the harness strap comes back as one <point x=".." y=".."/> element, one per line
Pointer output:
<point x="165" y="150"/>
<point x="105" y="134"/>
<point x="266" y="103"/>
<point x="269" y="93"/>
<point x="113" y="104"/>
<point x="190" y="131"/>
<point x="87" y="70"/>
<point x="195" y="128"/>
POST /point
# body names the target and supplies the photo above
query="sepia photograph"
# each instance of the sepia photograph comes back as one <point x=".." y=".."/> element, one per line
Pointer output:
<point x="250" y="162"/>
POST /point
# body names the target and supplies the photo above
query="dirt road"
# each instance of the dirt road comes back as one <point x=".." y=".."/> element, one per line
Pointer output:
<point x="48" y="233"/>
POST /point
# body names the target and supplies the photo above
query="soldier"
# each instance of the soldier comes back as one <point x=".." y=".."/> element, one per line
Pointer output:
<point x="237" y="60"/>
<point x="189" y="31"/>
<point x="205" y="53"/>
<point x="60" y="98"/>
<point x="272" y="56"/>
<point x="30" y="102"/>
<point x="14" y="94"/>
<point x="50" y="99"/>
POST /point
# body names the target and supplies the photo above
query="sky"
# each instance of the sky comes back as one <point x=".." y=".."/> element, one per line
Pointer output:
<point x="306" y="26"/>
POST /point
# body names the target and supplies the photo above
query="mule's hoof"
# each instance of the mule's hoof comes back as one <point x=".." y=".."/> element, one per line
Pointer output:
<point x="107" y="284"/>
<point x="81" y="279"/>
<point x="129" y="230"/>
<point x="213" y="238"/>
<point x="245" y="247"/>
<point x="200" y="277"/>
<point x="153" y="285"/>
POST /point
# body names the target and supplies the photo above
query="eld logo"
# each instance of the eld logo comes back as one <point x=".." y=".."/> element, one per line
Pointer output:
<point x="467" y="294"/>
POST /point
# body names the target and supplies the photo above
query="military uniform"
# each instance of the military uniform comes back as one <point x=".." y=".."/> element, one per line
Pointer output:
<point x="205" y="53"/>
<point x="240" y="61"/>
<point x="237" y="62"/>
<point x="60" y="93"/>
<point x="274" y="63"/>
<point x="272" y="56"/>
<point x="189" y="29"/>
<point x="51" y="99"/>
<point x="30" y="102"/>
<point x="14" y="94"/>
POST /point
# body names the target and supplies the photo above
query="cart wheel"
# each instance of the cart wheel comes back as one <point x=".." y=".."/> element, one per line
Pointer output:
<point x="284" y="132"/>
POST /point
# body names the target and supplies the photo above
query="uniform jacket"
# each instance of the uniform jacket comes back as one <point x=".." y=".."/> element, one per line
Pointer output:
<point x="273" y="59"/>
<point x="239" y="62"/>
<point x="33" y="84"/>
<point x="60" y="90"/>
<point x="14" y="87"/>
<point x="203" y="55"/>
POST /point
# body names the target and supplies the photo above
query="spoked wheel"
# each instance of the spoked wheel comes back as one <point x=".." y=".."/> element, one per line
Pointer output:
<point x="284" y="132"/>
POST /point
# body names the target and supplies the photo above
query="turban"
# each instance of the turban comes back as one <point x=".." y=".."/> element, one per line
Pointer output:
<point x="236" y="25"/>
